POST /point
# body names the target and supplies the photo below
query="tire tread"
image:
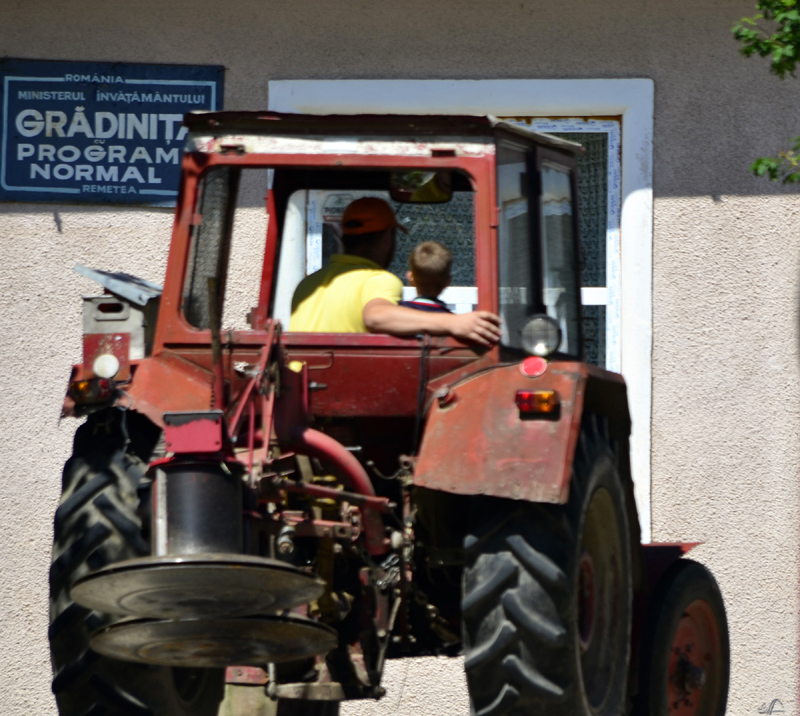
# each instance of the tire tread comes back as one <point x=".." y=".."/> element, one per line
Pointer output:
<point x="97" y="524"/>
<point x="519" y="630"/>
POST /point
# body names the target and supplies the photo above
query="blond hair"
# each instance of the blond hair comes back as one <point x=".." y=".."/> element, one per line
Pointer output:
<point x="430" y="265"/>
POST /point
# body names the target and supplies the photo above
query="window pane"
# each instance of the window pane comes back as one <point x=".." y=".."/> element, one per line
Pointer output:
<point x="593" y="199"/>
<point x="246" y="261"/>
<point x="516" y="276"/>
<point x="233" y="201"/>
<point x="312" y="229"/>
<point x="208" y="252"/>
<point x="452" y="224"/>
<point x="558" y="255"/>
<point x="594" y="335"/>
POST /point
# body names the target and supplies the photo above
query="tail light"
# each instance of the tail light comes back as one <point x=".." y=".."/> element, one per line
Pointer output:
<point x="537" y="401"/>
<point x="95" y="390"/>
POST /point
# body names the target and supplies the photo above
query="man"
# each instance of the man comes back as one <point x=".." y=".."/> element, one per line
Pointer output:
<point x="355" y="293"/>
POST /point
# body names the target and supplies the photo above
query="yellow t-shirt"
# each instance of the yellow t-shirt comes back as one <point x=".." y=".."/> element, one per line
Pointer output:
<point x="332" y="299"/>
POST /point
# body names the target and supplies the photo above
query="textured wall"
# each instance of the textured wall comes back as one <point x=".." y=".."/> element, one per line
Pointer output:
<point x="725" y="386"/>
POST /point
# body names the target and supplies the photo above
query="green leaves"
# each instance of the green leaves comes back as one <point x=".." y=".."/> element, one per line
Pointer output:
<point x="775" y="33"/>
<point x="784" y="168"/>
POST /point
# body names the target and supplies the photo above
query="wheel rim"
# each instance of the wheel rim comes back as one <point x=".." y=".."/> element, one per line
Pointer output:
<point x="695" y="667"/>
<point x="587" y="601"/>
<point x="602" y="603"/>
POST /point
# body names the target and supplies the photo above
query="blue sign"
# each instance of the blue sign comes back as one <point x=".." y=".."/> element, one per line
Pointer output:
<point x="92" y="132"/>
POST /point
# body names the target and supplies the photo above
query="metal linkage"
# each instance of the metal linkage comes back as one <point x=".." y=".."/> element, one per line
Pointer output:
<point x="381" y="504"/>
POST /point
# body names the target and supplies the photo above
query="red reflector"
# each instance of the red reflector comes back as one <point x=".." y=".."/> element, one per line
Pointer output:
<point x="533" y="367"/>
<point x="104" y="388"/>
<point x="537" y="401"/>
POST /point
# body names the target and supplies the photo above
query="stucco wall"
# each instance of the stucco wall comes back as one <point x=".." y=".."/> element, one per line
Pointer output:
<point x="725" y="387"/>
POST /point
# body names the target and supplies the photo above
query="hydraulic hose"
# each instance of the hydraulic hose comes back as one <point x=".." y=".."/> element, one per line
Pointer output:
<point x="313" y="443"/>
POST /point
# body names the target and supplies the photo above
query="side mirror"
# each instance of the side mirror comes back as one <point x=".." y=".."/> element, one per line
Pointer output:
<point x="418" y="186"/>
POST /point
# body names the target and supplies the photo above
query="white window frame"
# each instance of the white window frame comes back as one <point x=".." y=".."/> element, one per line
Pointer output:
<point x="632" y="99"/>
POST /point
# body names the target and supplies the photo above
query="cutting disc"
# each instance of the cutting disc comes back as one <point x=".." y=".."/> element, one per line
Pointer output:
<point x="215" y="643"/>
<point x="196" y="586"/>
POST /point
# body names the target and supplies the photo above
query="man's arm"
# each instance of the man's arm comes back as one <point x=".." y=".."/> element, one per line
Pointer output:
<point x="382" y="316"/>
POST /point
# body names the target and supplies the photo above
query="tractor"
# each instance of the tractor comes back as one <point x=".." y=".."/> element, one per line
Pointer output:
<point x="254" y="520"/>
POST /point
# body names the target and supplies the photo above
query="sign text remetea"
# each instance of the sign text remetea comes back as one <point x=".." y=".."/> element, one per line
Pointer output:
<point x="92" y="132"/>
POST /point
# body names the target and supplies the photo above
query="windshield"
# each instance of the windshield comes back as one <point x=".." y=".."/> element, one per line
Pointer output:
<point x="312" y="231"/>
<point x="230" y="226"/>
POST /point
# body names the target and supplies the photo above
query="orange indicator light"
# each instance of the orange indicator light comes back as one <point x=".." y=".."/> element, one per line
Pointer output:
<point x="537" y="401"/>
<point x="81" y="388"/>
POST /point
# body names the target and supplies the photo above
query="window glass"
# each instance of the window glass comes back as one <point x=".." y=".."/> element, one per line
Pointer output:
<point x="558" y="254"/>
<point x="516" y="267"/>
<point x="246" y="261"/>
<point x="593" y="198"/>
<point x="312" y="230"/>
<point x="230" y="203"/>
<point x="208" y="250"/>
<point x="599" y="169"/>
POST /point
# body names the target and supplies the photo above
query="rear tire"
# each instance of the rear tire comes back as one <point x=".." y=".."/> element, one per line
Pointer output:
<point x="97" y="524"/>
<point x="547" y="596"/>
<point x="686" y="630"/>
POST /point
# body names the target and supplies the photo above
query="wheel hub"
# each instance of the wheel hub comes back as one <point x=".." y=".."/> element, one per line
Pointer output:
<point x="689" y="657"/>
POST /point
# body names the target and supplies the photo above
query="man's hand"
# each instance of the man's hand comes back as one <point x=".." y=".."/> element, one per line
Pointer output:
<point x="479" y="327"/>
<point x="382" y="316"/>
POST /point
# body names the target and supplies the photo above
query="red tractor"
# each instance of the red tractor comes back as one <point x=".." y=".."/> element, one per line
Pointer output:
<point x="252" y="516"/>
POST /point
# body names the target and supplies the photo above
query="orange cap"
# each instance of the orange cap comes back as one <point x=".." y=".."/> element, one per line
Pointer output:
<point x="369" y="214"/>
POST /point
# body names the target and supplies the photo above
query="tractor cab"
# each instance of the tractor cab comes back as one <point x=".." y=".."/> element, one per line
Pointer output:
<point x="499" y="196"/>
<point x="260" y="206"/>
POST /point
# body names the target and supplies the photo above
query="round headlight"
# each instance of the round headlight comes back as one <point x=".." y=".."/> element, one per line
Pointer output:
<point x="541" y="336"/>
<point x="106" y="366"/>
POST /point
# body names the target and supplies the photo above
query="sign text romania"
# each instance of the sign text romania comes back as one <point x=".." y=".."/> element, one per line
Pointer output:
<point x="97" y="132"/>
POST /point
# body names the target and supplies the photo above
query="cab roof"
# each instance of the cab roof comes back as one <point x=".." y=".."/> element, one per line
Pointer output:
<point x="408" y="127"/>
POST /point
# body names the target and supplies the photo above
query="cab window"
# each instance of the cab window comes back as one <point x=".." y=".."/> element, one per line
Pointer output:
<point x="311" y="235"/>
<point x="559" y="259"/>
<point x="537" y="252"/>
<point x="230" y="203"/>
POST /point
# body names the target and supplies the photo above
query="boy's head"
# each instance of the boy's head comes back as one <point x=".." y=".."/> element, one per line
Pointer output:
<point x="430" y="264"/>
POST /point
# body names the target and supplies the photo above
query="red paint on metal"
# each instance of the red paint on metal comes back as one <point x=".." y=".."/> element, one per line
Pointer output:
<point x="169" y="383"/>
<point x="355" y="368"/>
<point x="116" y="344"/>
<point x="313" y="443"/>
<point x="533" y="366"/>
<point x="270" y="261"/>
<point x="198" y="436"/>
<point x="243" y="398"/>
<point x="291" y="408"/>
<point x="246" y="675"/>
<point x="499" y="452"/>
<point x="695" y="651"/>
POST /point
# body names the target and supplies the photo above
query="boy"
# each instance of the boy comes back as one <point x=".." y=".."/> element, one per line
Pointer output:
<point x="430" y="264"/>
